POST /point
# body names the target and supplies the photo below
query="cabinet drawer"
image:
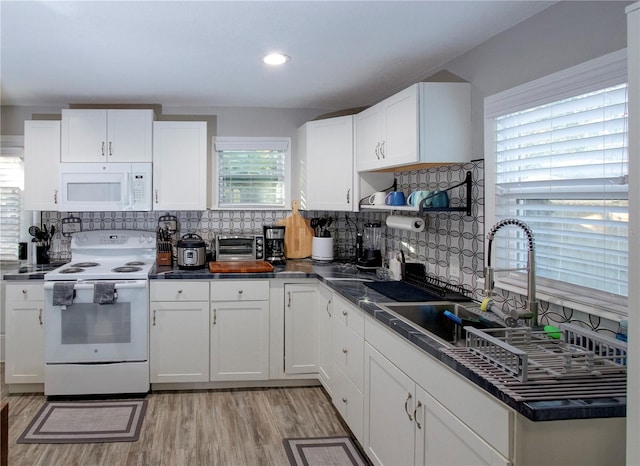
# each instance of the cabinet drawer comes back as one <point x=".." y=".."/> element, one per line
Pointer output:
<point x="349" y="402"/>
<point x="239" y="290"/>
<point x="348" y="353"/>
<point x="25" y="292"/>
<point x="164" y="290"/>
<point x="349" y="314"/>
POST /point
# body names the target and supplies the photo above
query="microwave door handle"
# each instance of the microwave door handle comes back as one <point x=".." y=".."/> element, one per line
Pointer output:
<point x="128" y="205"/>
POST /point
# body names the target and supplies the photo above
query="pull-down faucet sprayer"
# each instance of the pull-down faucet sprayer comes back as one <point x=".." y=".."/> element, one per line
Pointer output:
<point x="531" y="305"/>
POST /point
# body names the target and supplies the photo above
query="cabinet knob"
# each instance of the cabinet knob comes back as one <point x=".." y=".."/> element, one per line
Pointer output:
<point x="239" y="291"/>
<point x="24" y="292"/>
<point x="344" y="350"/>
<point x="344" y="399"/>
<point x="344" y="313"/>
<point x="179" y="291"/>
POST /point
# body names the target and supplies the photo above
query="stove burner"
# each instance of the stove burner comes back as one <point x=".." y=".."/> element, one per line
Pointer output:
<point x="72" y="270"/>
<point x="126" y="269"/>
<point x="135" y="263"/>
<point x="85" y="264"/>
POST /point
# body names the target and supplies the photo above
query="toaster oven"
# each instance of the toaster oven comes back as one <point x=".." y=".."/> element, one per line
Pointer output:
<point x="239" y="247"/>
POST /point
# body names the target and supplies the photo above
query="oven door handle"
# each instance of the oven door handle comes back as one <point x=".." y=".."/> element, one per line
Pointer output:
<point x="88" y="285"/>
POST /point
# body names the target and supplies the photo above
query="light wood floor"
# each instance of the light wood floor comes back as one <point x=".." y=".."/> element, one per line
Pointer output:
<point x="195" y="428"/>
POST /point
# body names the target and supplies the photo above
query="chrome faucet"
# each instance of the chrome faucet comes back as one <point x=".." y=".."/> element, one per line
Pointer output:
<point x="531" y="304"/>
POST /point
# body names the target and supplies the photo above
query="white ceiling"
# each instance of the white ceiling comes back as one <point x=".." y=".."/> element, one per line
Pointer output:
<point x="208" y="53"/>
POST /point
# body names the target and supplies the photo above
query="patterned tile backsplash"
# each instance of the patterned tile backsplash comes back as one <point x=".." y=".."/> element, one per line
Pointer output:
<point x="451" y="247"/>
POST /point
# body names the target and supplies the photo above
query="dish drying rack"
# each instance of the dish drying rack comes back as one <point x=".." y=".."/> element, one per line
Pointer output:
<point x="529" y="355"/>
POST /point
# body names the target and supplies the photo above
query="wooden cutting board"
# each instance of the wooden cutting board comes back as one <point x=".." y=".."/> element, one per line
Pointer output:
<point x="240" y="267"/>
<point x="298" y="235"/>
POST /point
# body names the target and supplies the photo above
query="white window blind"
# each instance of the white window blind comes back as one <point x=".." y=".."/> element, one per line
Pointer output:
<point x="11" y="188"/>
<point x="253" y="173"/>
<point x="562" y="167"/>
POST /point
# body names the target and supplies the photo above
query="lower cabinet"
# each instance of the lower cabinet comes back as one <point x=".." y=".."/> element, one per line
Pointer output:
<point x="24" y="329"/>
<point x="239" y="330"/>
<point x="179" y="332"/>
<point x="300" y="329"/>
<point x="325" y="338"/>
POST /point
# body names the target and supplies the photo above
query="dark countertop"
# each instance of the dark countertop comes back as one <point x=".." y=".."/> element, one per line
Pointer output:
<point x="346" y="280"/>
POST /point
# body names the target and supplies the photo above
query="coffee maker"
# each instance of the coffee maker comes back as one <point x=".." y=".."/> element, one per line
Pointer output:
<point x="371" y="256"/>
<point x="274" y="244"/>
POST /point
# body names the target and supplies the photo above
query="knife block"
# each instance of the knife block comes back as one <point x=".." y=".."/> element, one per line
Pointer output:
<point x="164" y="254"/>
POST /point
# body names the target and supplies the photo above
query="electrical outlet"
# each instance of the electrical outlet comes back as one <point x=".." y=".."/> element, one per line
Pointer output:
<point x="454" y="266"/>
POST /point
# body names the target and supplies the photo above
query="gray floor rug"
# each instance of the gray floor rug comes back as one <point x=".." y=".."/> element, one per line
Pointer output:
<point x="86" y="422"/>
<point x="323" y="451"/>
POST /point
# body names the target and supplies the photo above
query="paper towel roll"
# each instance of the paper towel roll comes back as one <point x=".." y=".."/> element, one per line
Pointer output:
<point x="405" y="223"/>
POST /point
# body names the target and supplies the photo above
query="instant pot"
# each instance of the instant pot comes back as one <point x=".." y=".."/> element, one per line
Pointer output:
<point x="192" y="252"/>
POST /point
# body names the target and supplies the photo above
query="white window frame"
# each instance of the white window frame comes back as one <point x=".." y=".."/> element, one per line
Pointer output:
<point x="253" y="143"/>
<point x="606" y="71"/>
<point x="13" y="146"/>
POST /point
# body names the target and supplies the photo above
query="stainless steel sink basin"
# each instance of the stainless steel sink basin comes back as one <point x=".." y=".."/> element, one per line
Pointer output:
<point x="430" y="316"/>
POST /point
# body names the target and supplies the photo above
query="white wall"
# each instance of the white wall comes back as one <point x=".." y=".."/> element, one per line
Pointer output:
<point x="561" y="36"/>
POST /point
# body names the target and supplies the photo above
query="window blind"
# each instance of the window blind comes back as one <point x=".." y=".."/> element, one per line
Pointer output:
<point x="11" y="188"/>
<point x="562" y="167"/>
<point x="252" y="173"/>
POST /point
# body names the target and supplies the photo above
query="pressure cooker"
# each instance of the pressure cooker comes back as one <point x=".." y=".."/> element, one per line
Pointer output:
<point x="192" y="252"/>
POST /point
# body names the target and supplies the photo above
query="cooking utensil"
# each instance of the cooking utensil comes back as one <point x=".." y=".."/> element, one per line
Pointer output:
<point x="35" y="232"/>
<point x="298" y="235"/>
<point x="314" y="224"/>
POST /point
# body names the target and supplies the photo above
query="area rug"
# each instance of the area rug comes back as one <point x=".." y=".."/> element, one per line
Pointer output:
<point x="323" y="451"/>
<point x="86" y="422"/>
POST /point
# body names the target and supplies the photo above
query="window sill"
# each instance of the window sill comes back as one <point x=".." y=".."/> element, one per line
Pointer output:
<point x="614" y="311"/>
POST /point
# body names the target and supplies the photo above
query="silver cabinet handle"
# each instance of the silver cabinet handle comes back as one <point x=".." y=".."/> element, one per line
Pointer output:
<point x="329" y="308"/>
<point x="110" y="152"/>
<point x="55" y="196"/>
<point x="215" y="316"/>
<point x="289" y="303"/>
<point x="415" y="414"/>
<point x="154" y="317"/>
<point x="40" y="316"/>
<point x="406" y="406"/>
<point x="102" y="149"/>
<point x="382" y="149"/>
<point x="377" y="151"/>
<point x="349" y="196"/>
<point x="156" y="195"/>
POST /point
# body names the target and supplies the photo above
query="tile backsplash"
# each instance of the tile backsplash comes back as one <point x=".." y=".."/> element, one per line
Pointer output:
<point x="451" y="247"/>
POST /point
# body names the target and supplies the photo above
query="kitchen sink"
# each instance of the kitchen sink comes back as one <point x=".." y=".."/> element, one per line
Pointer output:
<point x="431" y="316"/>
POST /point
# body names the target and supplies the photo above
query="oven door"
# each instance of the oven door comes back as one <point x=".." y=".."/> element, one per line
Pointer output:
<point x="85" y="332"/>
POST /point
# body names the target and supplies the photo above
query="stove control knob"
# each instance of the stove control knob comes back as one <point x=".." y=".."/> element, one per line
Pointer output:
<point x="80" y="239"/>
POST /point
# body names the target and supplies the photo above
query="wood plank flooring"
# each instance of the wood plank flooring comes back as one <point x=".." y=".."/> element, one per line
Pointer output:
<point x="194" y="428"/>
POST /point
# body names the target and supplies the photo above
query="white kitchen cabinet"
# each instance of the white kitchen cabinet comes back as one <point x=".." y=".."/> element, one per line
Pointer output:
<point x="41" y="164"/>
<point x="325" y="154"/>
<point x="107" y="135"/>
<point x="425" y="123"/>
<point x="348" y="357"/>
<point x="24" y="338"/>
<point x="325" y="338"/>
<point x="300" y="317"/>
<point x="239" y="330"/>
<point x="179" y="333"/>
<point x="180" y="165"/>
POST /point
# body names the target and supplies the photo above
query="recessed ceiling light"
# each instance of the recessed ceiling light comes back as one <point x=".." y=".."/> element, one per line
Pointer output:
<point x="276" y="59"/>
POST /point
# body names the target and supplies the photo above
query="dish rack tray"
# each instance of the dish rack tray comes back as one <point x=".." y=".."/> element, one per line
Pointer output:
<point x="527" y="354"/>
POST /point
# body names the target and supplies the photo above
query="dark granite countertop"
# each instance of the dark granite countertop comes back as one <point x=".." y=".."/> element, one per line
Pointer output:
<point x="348" y="282"/>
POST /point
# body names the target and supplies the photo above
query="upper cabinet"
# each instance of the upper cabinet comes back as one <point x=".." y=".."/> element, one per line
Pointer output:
<point x="180" y="165"/>
<point x="425" y="123"/>
<point x="41" y="164"/>
<point x="325" y="153"/>
<point x="112" y="135"/>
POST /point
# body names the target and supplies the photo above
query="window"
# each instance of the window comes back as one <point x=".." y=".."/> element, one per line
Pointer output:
<point x="253" y="173"/>
<point x="11" y="188"/>
<point x="557" y="159"/>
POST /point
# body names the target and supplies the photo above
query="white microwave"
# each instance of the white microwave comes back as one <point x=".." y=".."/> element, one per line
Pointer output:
<point x="91" y="187"/>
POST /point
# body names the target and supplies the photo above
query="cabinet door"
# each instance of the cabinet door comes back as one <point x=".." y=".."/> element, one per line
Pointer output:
<point x="443" y="440"/>
<point x="179" y="341"/>
<point x="179" y="165"/>
<point x="129" y="135"/>
<point x="329" y="168"/>
<point x="349" y="402"/>
<point x="84" y="135"/>
<point x="368" y="139"/>
<point x="388" y="411"/>
<point x="325" y="337"/>
<point x="400" y="128"/>
<point x="41" y="164"/>
<point x="24" y="340"/>
<point x="300" y="317"/>
<point x="240" y="340"/>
